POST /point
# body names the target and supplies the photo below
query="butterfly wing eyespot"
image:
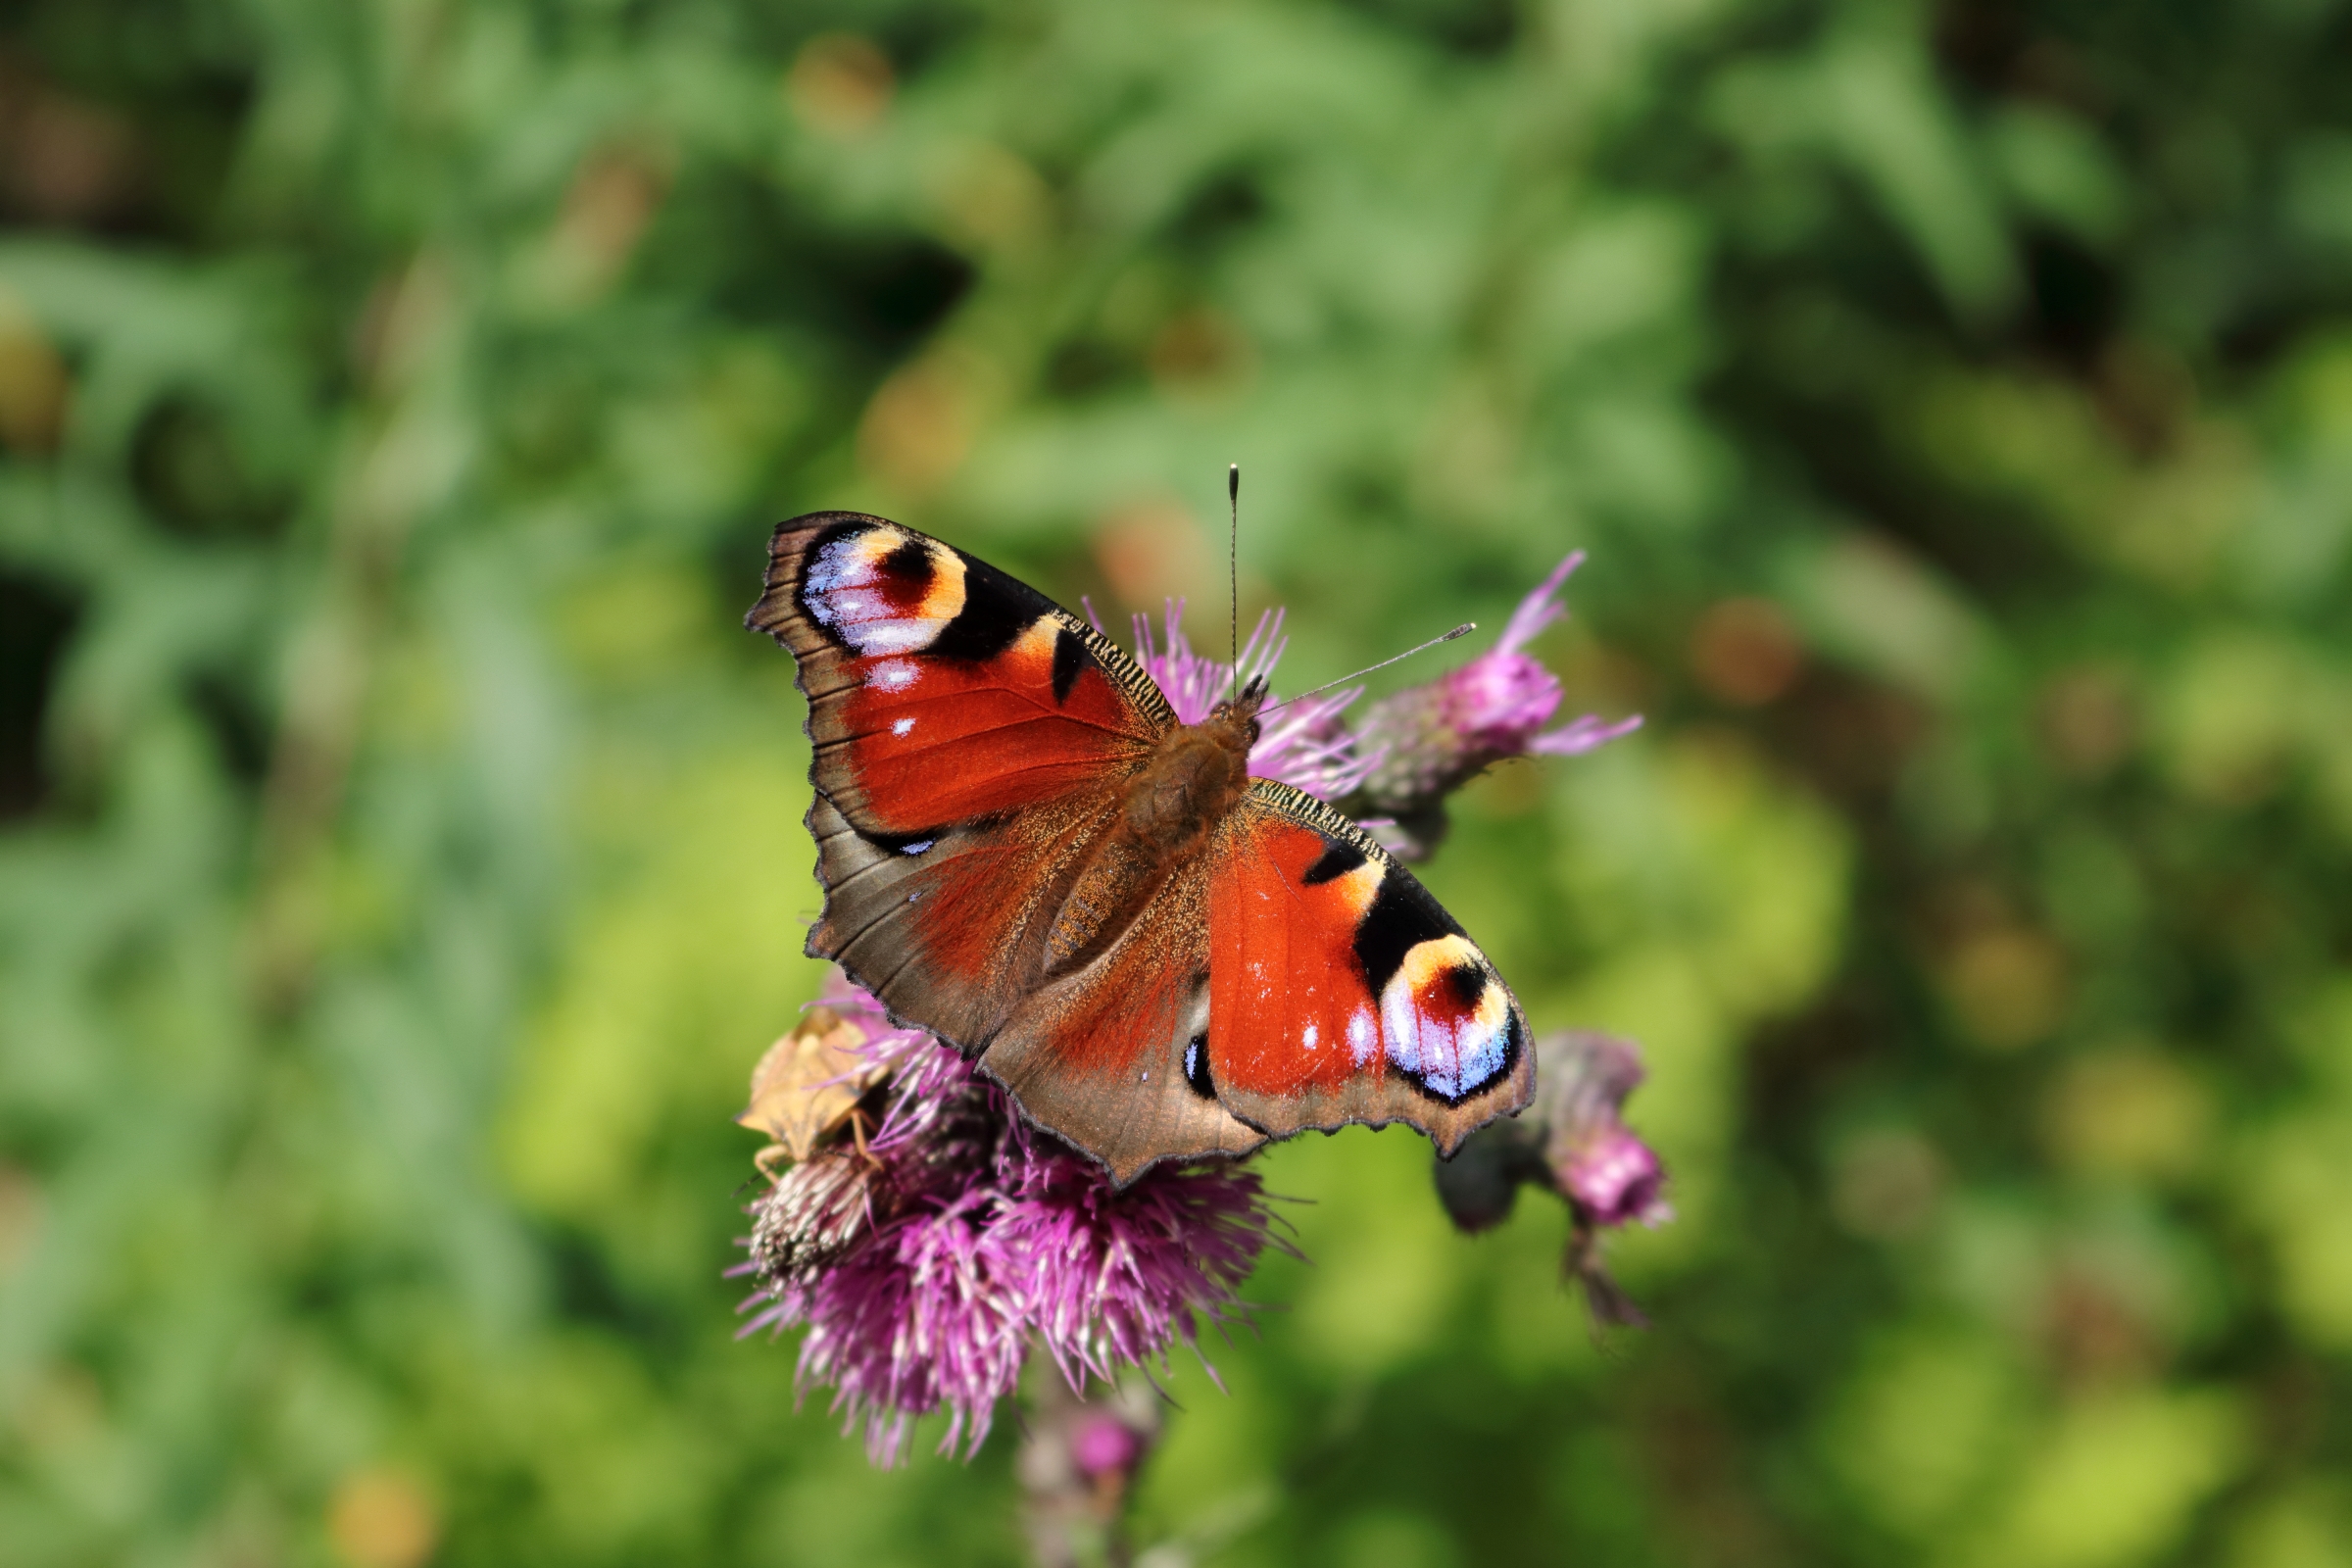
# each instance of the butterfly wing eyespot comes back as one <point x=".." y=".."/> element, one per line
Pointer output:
<point x="882" y="590"/>
<point x="1196" y="1065"/>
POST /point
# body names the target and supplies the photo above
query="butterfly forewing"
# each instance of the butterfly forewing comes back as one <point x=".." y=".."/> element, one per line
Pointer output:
<point x="941" y="690"/>
<point x="1341" y="991"/>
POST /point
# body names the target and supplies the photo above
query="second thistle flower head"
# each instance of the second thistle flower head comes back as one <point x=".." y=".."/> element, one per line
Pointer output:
<point x="1427" y="741"/>
<point x="1572" y="1141"/>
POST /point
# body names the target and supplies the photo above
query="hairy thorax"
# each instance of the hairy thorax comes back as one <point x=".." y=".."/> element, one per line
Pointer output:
<point x="1195" y="777"/>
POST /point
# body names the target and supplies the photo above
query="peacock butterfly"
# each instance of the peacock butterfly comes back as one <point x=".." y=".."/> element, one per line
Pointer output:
<point x="1024" y="853"/>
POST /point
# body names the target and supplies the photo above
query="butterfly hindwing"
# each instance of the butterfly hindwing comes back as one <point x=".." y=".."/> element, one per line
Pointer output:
<point x="945" y="930"/>
<point x="1099" y="1056"/>
<point x="1342" y="991"/>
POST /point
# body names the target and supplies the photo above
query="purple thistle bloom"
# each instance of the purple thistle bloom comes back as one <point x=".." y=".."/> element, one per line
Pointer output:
<point x="1427" y="741"/>
<point x="1617" y="1177"/>
<point x="1598" y="1163"/>
<point x="924" y="1267"/>
<point x="1104" y="1446"/>
<point x="1503" y="697"/>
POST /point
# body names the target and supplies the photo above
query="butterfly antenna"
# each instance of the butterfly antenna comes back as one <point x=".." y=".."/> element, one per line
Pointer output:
<point x="1233" y="567"/>
<point x="1463" y="630"/>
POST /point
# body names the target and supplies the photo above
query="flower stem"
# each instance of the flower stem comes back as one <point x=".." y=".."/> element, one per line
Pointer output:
<point x="1077" y="1465"/>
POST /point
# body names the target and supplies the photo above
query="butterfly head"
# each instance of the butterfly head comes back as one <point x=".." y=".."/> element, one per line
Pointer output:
<point x="1239" y="714"/>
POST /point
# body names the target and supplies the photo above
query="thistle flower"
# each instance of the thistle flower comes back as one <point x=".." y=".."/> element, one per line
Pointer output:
<point x="924" y="1265"/>
<point x="925" y="1259"/>
<point x="1103" y="1446"/>
<point x="1571" y="1140"/>
<point x="1429" y="740"/>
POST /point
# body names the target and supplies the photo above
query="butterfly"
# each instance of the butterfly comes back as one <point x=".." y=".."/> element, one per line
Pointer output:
<point x="1025" y="854"/>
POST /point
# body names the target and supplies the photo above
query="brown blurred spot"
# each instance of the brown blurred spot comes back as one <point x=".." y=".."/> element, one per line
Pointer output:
<point x="2095" y="1334"/>
<point x="1693" y="1455"/>
<point x="1152" y="550"/>
<point x="403" y="320"/>
<point x="1960" y="906"/>
<point x="62" y="159"/>
<point x="2127" y="1111"/>
<point x="840" y="84"/>
<point x="991" y="198"/>
<point x="1195" y="350"/>
<point x="34" y="381"/>
<point x="612" y="197"/>
<point x="60" y="1408"/>
<point x="1886" y="1185"/>
<point x="2298" y="1405"/>
<point x="1744" y="652"/>
<point x="381" y="1518"/>
<point x="1608" y="679"/>
<point x="2087" y="720"/>
<point x="20" y="1211"/>
<point x="919" y="427"/>
<point x="2008" y="986"/>
<point x="2049" y="68"/>
<point x="2144" y="394"/>
<point x="1857" y="738"/>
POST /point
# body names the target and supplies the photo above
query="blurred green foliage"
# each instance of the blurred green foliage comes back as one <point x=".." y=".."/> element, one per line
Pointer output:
<point x="402" y="865"/>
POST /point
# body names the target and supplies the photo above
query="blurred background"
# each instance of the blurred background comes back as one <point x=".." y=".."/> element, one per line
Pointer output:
<point x="400" y="850"/>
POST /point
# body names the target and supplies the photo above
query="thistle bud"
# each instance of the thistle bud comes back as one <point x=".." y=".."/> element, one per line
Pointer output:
<point x="1570" y="1141"/>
